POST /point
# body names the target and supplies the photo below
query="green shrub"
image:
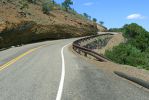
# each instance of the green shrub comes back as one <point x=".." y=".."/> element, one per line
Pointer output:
<point x="87" y="16"/>
<point x="47" y="7"/>
<point x="66" y="4"/>
<point x="137" y="36"/>
<point x="72" y="11"/>
<point x="127" y="54"/>
<point x="141" y="41"/>
<point x="133" y="30"/>
<point x="23" y="4"/>
<point x="101" y="22"/>
<point x="116" y="30"/>
<point x="94" y="20"/>
<point x="32" y="1"/>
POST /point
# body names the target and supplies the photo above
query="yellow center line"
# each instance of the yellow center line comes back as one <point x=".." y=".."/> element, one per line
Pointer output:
<point x="17" y="58"/>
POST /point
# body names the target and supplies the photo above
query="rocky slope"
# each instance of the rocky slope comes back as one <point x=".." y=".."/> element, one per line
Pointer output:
<point x="101" y="28"/>
<point x="114" y="41"/>
<point x="19" y="26"/>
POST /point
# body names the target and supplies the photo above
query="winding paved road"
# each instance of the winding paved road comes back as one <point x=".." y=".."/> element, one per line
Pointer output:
<point x="51" y="71"/>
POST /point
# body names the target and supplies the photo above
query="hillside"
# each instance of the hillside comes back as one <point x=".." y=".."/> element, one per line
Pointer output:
<point x="21" y="26"/>
<point x="135" y="50"/>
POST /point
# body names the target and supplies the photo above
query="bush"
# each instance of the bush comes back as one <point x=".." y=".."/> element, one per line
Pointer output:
<point x="94" y="20"/>
<point x="133" y="30"/>
<point x="32" y="1"/>
<point x="127" y="54"/>
<point x="66" y="4"/>
<point x="101" y="22"/>
<point x="87" y="16"/>
<point x="72" y="11"/>
<point x="137" y="36"/>
<point x="23" y="4"/>
<point x="116" y="30"/>
<point x="47" y="7"/>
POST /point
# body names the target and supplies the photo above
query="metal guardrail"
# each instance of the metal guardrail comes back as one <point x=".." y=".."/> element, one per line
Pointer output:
<point x="99" y="57"/>
<point x="78" y="48"/>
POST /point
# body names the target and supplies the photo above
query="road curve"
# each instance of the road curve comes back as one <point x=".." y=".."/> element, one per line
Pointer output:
<point x="54" y="72"/>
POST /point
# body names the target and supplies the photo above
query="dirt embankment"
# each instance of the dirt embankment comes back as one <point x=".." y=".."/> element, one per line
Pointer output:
<point x="101" y="28"/>
<point x="31" y="25"/>
<point x="102" y="43"/>
<point x="114" y="41"/>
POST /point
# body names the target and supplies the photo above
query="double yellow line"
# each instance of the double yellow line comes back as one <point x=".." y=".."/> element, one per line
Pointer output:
<point x="17" y="58"/>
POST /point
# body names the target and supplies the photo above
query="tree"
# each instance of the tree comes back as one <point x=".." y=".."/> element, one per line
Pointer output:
<point x="49" y="6"/>
<point x="23" y="4"/>
<point x="86" y="16"/>
<point x="46" y="8"/>
<point x="137" y="36"/>
<point x="101" y="22"/>
<point x="116" y="30"/>
<point x="66" y="4"/>
<point x="73" y="11"/>
<point x="32" y="1"/>
<point x="53" y="2"/>
<point x="132" y="30"/>
<point x="94" y="20"/>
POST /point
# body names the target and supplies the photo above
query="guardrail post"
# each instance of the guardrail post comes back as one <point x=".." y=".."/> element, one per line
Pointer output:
<point x="85" y="54"/>
<point x="74" y="48"/>
<point x="78" y="51"/>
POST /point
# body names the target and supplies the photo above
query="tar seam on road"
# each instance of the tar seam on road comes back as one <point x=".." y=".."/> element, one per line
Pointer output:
<point x="17" y="58"/>
<point x="60" y="89"/>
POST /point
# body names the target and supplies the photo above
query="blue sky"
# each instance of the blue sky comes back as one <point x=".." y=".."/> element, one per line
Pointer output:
<point x="115" y="13"/>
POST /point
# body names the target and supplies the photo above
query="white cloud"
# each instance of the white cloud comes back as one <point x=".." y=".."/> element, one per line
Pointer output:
<point x="88" y="3"/>
<point x="136" y="16"/>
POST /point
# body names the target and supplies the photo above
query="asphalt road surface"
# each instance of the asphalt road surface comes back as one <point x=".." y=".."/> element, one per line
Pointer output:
<point x="51" y="71"/>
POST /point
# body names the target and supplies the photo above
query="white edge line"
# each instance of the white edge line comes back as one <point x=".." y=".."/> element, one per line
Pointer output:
<point x="60" y="89"/>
